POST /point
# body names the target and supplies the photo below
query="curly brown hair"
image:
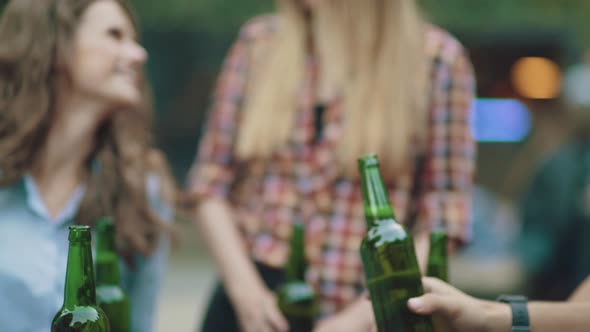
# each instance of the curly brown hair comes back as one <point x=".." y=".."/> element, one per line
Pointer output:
<point x="34" y="36"/>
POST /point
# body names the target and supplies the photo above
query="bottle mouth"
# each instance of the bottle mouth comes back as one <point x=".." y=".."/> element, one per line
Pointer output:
<point x="79" y="233"/>
<point x="368" y="160"/>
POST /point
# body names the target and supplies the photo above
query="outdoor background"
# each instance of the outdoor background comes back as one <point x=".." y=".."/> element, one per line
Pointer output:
<point x="187" y="39"/>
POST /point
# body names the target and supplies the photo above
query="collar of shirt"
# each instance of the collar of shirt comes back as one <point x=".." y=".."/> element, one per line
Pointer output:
<point x="36" y="204"/>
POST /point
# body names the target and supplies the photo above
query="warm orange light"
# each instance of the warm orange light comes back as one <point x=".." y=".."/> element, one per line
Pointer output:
<point x="536" y="78"/>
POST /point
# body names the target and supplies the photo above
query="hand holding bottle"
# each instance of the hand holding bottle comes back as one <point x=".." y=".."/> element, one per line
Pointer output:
<point x="456" y="311"/>
<point x="389" y="259"/>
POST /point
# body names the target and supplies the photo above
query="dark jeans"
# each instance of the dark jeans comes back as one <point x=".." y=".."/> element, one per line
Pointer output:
<point x="220" y="316"/>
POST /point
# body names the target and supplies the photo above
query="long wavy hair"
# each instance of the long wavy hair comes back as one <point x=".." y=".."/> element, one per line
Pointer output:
<point x="371" y="53"/>
<point x="34" y="36"/>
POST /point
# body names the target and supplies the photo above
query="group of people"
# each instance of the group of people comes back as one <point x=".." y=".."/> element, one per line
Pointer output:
<point x="303" y="92"/>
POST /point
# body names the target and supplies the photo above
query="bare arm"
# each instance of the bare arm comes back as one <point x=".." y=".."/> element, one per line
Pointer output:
<point x="582" y="293"/>
<point x="255" y="305"/>
<point x="456" y="311"/>
<point x="543" y="316"/>
<point x="210" y="183"/>
<point x="214" y="221"/>
<point x="559" y="316"/>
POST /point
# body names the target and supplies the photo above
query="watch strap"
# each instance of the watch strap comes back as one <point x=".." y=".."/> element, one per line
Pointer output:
<point x="520" y="312"/>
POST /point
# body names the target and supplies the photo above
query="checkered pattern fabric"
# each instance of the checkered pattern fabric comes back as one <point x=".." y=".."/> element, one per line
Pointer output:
<point x="300" y="180"/>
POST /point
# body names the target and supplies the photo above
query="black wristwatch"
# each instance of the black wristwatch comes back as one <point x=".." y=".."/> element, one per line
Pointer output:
<point x="520" y="312"/>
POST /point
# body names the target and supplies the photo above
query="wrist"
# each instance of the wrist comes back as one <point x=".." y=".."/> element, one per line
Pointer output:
<point x="244" y="290"/>
<point x="497" y="317"/>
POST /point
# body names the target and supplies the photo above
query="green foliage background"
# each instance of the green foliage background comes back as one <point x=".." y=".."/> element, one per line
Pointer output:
<point x="223" y="16"/>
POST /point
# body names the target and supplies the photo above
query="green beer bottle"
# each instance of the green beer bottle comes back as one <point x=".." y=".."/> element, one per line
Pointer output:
<point x="437" y="257"/>
<point x="389" y="259"/>
<point x="79" y="312"/>
<point x="297" y="300"/>
<point x="111" y="298"/>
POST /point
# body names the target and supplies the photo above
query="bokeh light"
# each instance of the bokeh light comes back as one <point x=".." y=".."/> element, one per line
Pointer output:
<point x="536" y="78"/>
<point x="500" y="120"/>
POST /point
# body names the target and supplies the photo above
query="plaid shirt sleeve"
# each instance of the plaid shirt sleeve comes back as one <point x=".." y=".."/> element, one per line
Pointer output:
<point x="214" y="168"/>
<point x="449" y="166"/>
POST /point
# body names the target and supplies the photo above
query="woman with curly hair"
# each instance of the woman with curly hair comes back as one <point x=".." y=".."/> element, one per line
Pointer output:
<point x="75" y="145"/>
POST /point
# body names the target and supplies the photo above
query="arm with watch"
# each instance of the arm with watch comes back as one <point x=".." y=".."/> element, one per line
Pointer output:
<point x="456" y="311"/>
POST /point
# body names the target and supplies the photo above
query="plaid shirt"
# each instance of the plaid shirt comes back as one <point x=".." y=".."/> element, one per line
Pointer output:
<point x="266" y="197"/>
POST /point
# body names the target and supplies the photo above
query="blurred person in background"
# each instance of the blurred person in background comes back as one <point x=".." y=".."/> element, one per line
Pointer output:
<point x="554" y="244"/>
<point x="303" y="93"/>
<point x="555" y="210"/>
<point x="75" y="145"/>
<point x="454" y="311"/>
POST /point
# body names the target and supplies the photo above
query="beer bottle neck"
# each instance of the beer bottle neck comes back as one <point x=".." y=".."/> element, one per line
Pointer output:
<point x="296" y="265"/>
<point x="107" y="261"/>
<point x="438" y="243"/>
<point x="375" y="197"/>
<point x="107" y="270"/>
<point x="80" y="287"/>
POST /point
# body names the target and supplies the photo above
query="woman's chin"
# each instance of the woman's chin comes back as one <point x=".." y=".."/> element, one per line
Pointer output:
<point x="125" y="102"/>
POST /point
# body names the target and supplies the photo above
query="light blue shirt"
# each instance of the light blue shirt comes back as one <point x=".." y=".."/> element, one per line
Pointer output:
<point x="33" y="259"/>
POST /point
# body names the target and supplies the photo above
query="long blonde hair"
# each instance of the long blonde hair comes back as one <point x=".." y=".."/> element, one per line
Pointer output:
<point x="371" y="53"/>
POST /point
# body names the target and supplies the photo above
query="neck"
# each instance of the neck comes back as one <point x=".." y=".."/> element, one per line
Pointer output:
<point x="80" y="287"/>
<point x="71" y="139"/>
<point x="62" y="162"/>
